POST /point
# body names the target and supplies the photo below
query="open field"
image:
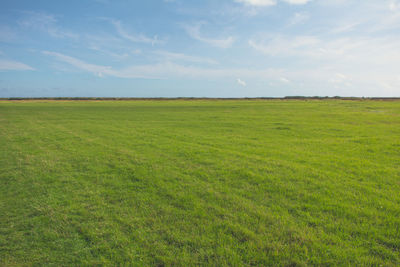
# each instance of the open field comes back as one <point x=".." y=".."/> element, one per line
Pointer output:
<point x="200" y="183"/>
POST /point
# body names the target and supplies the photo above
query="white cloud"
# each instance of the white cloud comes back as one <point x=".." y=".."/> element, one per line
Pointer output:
<point x="164" y="70"/>
<point x="46" y="23"/>
<point x="286" y="46"/>
<point x="186" y="58"/>
<point x="386" y="22"/>
<point x="394" y="5"/>
<point x="264" y="3"/>
<point x="299" y="18"/>
<point x="6" y="34"/>
<point x="13" y="65"/>
<point x="365" y="82"/>
<point x="194" y="32"/>
<point x="116" y="48"/>
<point x="345" y="28"/>
<point x="354" y="63"/>
<point x="116" y="56"/>
<point x="333" y="2"/>
<point x="136" y="38"/>
<point x="355" y="52"/>
<point x="338" y="78"/>
<point x="297" y="2"/>
<point x="257" y="2"/>
<point x="284" y="80"/>
<point x="241" y="82"/>
<point x="95" y="69"/>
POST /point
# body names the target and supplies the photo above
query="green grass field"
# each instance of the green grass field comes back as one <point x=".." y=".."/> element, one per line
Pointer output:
<point x="206" y="182"/>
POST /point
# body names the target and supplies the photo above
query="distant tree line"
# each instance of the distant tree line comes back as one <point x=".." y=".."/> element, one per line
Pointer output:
<point x="202" y="98"/>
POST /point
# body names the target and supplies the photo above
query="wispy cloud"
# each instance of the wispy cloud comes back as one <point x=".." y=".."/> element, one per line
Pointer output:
<point x="351" y="62"/>
<point x="194" y="32"/>
<point x="394" y="5"/>
<point x="297" y="2"/>
<point x="299" y="18"/>
<point x="95" y="69"/>
<point x="136" y="38"/>
<point x="320" y="43"/>
<point x="46" y="23"/>
<point x="284" y="80"/>
<point x="287" y="46"/>
<point x="257" y="2"/>
<point x="386" y="22"/>
<point x="116" y="56"/>
<point x="355" y="50"/>
<point x="241" y="82"/>
<point x="111" y="46"/>
<point x="264" y="3"/>
<point x="6" y="34"/>
<point x="169" y="56"/>
<point x="163" y="70"/>
<point x="13" y="65"/>
<point x="338" y="78"/>
<point x="346" y="27"/>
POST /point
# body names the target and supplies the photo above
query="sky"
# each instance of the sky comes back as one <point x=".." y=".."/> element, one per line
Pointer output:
<point x="193" y="48"/>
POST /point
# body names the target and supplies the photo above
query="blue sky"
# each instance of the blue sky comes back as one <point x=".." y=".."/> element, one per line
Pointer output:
<point x="212" y="48"/>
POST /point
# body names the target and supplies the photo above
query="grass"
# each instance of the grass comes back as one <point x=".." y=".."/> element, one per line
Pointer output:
<point x="183" y="183"/>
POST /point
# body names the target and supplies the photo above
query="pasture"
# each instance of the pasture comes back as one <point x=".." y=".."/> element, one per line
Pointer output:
<point x="200" y="182"/>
